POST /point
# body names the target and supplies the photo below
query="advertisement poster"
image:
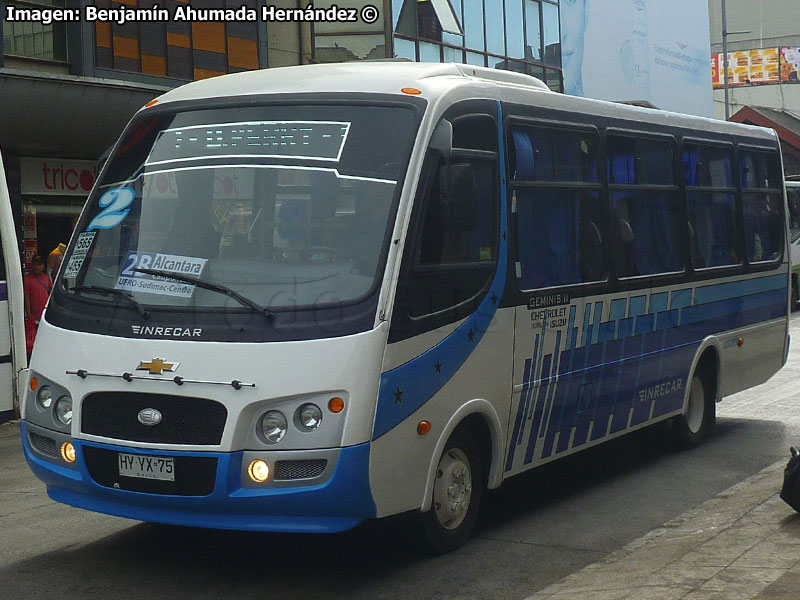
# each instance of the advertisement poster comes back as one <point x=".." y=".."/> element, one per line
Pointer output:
<point x="629" y="50"/>
<point x="790" y="64"/>
<point x="748" y="67"/>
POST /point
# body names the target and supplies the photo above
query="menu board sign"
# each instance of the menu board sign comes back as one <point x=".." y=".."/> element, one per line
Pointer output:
<point x="756" y="67"/>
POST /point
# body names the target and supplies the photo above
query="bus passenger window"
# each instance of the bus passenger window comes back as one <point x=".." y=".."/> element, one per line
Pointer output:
<point x="559" y="228"/>
<point x="559" y="237"/>
<point x="646" y="211"/>
<point x="762" y="205"/>
<point x="710" y="205"/>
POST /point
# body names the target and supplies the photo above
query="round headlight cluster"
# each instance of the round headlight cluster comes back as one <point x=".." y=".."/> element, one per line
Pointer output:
<point x="44" y="397"/>
<point x="64" y="410"/>
<point x="309" y="416"/>
<point x="273" y="426"/>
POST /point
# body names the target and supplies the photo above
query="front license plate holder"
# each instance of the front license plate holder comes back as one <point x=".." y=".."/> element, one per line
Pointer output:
<point x="141" y="466"/>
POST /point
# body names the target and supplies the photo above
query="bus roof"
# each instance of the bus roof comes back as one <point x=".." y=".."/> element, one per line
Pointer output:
<point x="434" y="80"/>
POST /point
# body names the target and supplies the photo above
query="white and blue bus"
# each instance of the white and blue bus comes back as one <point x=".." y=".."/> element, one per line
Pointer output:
<point x="301" y="298"/>
<point x="13" y="359"/>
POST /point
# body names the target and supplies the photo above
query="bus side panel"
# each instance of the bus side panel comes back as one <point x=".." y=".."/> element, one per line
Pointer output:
<point x="400" y="458"/>
<point x="603" y="366"/>
<point x="12" y="334"/>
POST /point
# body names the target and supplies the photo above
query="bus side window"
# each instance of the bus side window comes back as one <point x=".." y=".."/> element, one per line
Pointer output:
<point x="711" y="205"/>
<point x="762" y="205"/>
<point x="559" y="227"/>
<point x="448" y="262"/>
<point x="646" y="207"/>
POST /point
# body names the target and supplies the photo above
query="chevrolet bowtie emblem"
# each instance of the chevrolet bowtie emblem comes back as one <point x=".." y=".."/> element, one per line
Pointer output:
<point x="157" y="366"/>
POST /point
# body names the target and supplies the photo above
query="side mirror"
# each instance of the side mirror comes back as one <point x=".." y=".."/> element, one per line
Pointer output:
<point x="458" y="196"/>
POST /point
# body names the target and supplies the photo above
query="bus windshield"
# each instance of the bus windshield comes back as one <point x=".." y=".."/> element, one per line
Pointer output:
<point x="282" y="206"/>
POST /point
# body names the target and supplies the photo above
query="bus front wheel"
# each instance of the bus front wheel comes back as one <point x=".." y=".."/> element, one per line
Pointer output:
<point x="457" y="489"/>
<point x="697" y="422"/>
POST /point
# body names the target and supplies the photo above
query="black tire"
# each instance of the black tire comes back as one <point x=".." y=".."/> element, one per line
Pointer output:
<point x="444" y="528"/>
<point x="698" y="422"/>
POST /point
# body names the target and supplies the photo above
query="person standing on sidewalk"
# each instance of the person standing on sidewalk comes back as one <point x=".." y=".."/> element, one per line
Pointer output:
<point x="36" y="285"/>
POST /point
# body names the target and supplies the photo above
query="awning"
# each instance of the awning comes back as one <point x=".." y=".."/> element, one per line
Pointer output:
<point x="66" y="116"/>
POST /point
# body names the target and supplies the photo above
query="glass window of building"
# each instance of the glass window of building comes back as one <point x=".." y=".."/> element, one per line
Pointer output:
<point x="30" y="39"/>
<point x="533" y="30"/>
<point x="551" y="34"/>
<point x="516" y="35"/>
<point x="495" y="28"/>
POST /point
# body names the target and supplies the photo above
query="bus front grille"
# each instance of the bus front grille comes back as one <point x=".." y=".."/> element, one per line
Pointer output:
<point x="44" y="445"/>
<point x="115" y="415"/>
<point x="299" y="469"/>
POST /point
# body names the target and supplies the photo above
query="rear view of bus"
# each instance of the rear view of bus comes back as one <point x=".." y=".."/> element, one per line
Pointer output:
<point x="212" y="352"/>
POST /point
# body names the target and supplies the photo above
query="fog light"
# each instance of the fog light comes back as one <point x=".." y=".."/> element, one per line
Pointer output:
<point x="64" y="410"/>
<point x="68" y="452"/>
<point x="258" y="471"/>
<point x="309" y="416"/>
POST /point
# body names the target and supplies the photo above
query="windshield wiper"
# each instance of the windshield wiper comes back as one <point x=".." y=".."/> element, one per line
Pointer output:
<point x="113" y="292"/>
<point x="215" y="287"/>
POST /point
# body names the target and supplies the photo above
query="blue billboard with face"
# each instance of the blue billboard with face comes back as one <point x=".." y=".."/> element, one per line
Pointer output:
<point x="655" y="51"/>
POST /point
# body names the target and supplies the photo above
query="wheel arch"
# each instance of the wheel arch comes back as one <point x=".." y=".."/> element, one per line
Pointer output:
<point x="707" y="359"/>
<point x="481" y="418"/>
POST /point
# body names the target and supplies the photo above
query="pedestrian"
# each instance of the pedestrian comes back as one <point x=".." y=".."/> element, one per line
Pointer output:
<point x="36" y="286"/>
<point x="54" y="260"/>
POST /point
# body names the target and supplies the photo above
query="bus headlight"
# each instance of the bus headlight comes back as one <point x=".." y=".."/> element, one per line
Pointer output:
<point x="64" y="410"/>
<point x="44" y="397"/>
<point x="309" y="416"/>
<point x="273" y="426"/>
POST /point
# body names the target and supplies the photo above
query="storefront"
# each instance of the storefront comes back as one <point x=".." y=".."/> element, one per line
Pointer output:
<point x="53" y="192"/>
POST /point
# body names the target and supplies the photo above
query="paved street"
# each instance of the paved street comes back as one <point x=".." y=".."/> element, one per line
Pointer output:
<point x="533" y="532"/>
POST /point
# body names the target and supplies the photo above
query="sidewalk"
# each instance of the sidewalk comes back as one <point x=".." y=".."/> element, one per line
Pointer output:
<point x="743" y="543"/>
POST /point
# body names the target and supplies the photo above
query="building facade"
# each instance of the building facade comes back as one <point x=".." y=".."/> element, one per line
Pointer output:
<point x="763" y="68"/>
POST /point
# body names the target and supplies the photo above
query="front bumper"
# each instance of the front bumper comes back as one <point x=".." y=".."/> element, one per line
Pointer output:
<point x="341" y="502"/>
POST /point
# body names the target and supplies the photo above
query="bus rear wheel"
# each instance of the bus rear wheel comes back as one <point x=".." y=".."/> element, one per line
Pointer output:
<point x="457" y="491"/>
<point x="697" y="422"/>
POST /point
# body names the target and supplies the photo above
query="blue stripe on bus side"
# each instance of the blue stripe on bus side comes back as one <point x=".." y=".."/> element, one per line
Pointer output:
<point x="662" y="345"/>
<point x="3" y="291"/>
<point x="406" y="388"/>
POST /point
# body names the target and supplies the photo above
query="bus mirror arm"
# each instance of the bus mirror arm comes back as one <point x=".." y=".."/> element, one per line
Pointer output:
<point x="442" y="139"/>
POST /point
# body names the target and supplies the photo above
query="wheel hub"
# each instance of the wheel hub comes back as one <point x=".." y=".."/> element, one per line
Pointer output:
<point x="452" y="490"/>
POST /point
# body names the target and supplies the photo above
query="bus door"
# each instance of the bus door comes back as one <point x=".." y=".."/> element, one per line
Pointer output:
<point x="12" y="337"/>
